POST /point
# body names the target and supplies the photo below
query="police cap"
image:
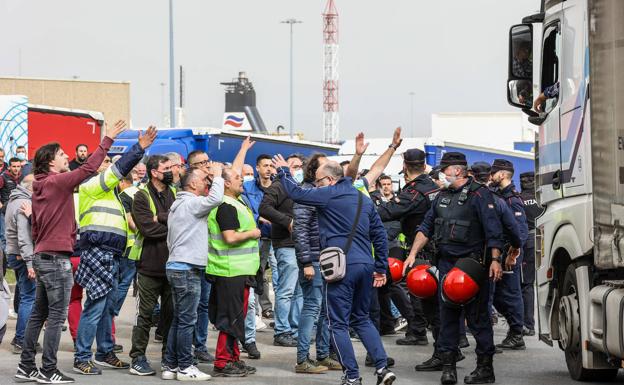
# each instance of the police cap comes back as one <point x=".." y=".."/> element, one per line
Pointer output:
<point x="452" y="159"/>
<point x="478" y="168"/>
<point x="501" y="165"/>
<point x="414" y="156"/>
<point x="527" y="175"/>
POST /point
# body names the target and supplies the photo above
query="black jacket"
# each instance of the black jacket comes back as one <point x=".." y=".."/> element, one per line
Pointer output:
<point x="277" y="207"/>
<point x="155" y="252"/>
<point x="411" y="205"/>
<point x="306" y="233"/>
<point x="7" y="185"/>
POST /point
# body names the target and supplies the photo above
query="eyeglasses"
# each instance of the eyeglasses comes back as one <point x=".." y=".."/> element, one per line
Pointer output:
<point x="318" y="180"/>
<point x="200" y="163"/>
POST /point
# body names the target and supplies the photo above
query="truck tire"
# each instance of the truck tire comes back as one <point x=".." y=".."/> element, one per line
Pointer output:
<point x="573" y="354"/>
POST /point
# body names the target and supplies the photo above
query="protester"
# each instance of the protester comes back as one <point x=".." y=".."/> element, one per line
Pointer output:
<point x="233" y="262"/>
<point x="103" y="238"/>
<point x="54" y="233"/>
<point x="306" y="235"/>
<point x="20" y="153"/>
<point x="150" y="212"/>
<point x="248" y="173"/>
<point x="339" y="206"/>
<point x="277" y="208"/>
<point x="82" y="153"/>
<point x="3" y="164"/>
<point x="20" y="250"/>
<point x="187" y="240"/>
<point x="9" y="179"/>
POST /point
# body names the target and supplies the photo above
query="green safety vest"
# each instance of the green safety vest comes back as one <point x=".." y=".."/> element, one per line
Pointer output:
<point x="131" y="191"/>
<point x="232" y="260"/>
<point x="99" y="208"/>
<point x="137" y="247"/>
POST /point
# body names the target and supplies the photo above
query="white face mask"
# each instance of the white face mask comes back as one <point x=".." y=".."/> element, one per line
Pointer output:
<point x="443" y="178"/>
<point x="298" y="176"/>
<point x="248" y="178"/>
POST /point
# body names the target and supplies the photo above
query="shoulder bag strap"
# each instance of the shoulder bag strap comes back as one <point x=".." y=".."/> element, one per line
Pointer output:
<point x="354" y="227"/>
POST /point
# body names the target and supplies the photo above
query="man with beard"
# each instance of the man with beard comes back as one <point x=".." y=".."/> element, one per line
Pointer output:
<point x="82" y="154"/>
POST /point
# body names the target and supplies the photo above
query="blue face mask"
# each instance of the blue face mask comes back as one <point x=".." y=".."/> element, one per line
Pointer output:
<point x="20" y="156"/>
<point x="298" y="176"/>
<point x="136" y="183"/>
<point x="248" y="178"/>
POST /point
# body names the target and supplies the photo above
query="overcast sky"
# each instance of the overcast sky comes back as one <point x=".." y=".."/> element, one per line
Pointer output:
<point x="451" y="53"/>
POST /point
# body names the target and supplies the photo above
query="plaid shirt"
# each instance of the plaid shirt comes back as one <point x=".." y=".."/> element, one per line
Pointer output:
<point x="95" y="272"/>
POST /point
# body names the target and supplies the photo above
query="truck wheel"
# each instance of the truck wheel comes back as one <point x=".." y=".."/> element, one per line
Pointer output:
<point x="570" y="331"/>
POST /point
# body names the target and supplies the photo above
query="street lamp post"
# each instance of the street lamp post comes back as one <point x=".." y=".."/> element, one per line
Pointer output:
<point x="172" y="117"/>
<point x="291" y="22"/>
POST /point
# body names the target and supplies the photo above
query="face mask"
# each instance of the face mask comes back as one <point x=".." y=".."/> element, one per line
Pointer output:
<point x="248" y="178"/>
<point x="21" y="156"/>
<point x="298" y="176"/>
<point x="443" y="178"/>
<point x="136" y="183"/>
<point x="358" y="183"/>
<point x="167" y="177"/>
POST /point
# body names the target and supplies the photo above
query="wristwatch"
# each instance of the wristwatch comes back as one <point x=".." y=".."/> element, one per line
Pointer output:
<point x="393" y="146"/>
<point x="496" y="259"/>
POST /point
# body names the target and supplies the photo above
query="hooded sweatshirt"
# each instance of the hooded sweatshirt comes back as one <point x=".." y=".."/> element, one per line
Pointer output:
<point x="187" y="237"/>
<point x="54" y="215"/>
<point x="18" y="237"/>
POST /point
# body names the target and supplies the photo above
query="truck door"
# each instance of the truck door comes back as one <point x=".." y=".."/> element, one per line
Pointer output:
<point x="549" y="168"/>
<point x="575" y="155"/>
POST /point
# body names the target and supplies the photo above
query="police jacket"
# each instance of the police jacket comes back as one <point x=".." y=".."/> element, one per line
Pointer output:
<point x="411" y="205"/>
<point x="277" y="207"/>
<point x="531" y="208"/>
<point x="511" y="228"/>
<point x="337" y="207"/>
<point x="306" y="232"/>
<point x="463" y="221"/>
<point x="101" y="215"/>
<point x="512" y="199"/>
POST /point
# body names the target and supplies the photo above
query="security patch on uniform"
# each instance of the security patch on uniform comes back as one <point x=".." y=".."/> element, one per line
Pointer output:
<point x="518" y="213"/>
<point x="490" y="206"/>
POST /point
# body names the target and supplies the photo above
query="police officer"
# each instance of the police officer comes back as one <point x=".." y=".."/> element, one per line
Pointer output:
<point x="464" y="223"/>
<point x="409" y="208"/>
<point x="507" y="296"/>
<point x="532" y="211"/>
<point x="480" y="171"/>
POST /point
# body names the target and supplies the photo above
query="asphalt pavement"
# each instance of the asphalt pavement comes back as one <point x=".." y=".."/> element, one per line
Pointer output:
<point x="538" y="364"/>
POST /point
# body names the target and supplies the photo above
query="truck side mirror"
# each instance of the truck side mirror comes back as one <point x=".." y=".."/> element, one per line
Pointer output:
<point x="520" y="71"/>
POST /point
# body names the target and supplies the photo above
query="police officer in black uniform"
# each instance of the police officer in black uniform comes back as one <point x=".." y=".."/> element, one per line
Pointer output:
<point x="409" y="207"/>
<point x="532" y="210"/>
<point x="464" y="221"/>
<point x="507" y="293"/>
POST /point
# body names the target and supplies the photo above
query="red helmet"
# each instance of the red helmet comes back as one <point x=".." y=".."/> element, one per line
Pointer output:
<point x="421" y="281"/>
<point x="461" y="284"/>
<point x="396" y="269"/>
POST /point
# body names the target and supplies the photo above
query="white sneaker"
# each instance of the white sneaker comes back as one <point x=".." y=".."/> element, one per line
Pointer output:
<point x="260" y="325"/>
<point x="167" y="373"/>
<point x="192" y="374"/>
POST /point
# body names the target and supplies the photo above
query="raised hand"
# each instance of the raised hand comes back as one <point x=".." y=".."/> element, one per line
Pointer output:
<point x="146" y="140"/>
<point x="118" y="128"/>
<point x="247" y="143"/>
<point x="278" y="161"/>
<point x="396" y="138"/>
<point x="360" y="146"/>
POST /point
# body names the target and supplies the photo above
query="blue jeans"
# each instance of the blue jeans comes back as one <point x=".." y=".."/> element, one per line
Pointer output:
<point x="96" y="322"/>
<point x="201" y="327"/>
<point x="348" y="303"/>
<point x="127" y="271"/>
<point x="250" y="318"/>
<point x="273" y="265"/>
<point x="26" y="295"/>
<point x="2" y="235"/>
<point x="313" y="312"/>
<point x="185" y="291"/>
<point x="288" y="299"/>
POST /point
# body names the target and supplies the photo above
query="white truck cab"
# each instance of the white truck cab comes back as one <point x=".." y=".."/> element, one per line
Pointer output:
<point x="571" y="56"/>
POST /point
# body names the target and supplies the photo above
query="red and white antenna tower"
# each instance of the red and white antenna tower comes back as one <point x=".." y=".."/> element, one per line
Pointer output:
<point x="330" y="70"/>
